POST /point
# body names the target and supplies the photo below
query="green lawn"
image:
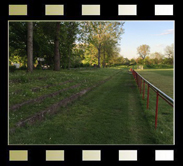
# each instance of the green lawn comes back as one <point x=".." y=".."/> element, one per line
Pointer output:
<point x="162" y="79"/>
<point x="112" y="113"/>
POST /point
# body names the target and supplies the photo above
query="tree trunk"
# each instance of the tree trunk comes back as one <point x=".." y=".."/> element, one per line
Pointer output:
<point x="99" y="57"/>
<point x="29" y="46"/>
<point x="57" y="55"/>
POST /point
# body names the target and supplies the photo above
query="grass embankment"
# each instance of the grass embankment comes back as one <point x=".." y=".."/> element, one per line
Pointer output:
<point x="84" y="78"/>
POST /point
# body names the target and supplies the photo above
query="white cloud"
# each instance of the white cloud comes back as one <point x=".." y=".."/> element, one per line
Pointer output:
<point x="166" y="32"/>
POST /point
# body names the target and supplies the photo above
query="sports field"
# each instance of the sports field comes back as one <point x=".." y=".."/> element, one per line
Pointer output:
<point x="161" y="78"/>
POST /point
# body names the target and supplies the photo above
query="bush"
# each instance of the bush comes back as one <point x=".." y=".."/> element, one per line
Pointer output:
<point x="86" y="65"/>
<point x="23" y="68"/>
<point x="160" y="66"/>
<point x="76" y="65"/>
<point x="149" y="66"/>
<point x="81" y="65"/>
<point x="12" y="68"/>
<point x="38" y="67"/>
<point x="65" y="66"/>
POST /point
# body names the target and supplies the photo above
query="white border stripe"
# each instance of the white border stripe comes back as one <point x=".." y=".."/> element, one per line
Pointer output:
<point x="127" y="9"/>
<point x="127" y="155"/>
<point x="90" y="10"/>
<point x="164" y="155"/>
<point x="91" y="155"/>
<point x="163" y="9"/>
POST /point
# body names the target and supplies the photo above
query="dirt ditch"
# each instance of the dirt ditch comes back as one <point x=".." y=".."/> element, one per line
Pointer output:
<point x="54" y="108"/>
<point x="17" y="106"/>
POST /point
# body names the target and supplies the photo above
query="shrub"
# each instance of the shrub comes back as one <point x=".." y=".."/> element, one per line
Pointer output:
<point x="86" y="65"/>
<point x="23" y="68"/>
<point x="160" y="66"/>
<point x="81" y="65"/>
<point x="12" y="68"/>
<point x="38" y="67"/>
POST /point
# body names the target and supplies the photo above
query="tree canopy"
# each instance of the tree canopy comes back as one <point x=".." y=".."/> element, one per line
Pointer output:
<point x="66" y="44"/>
<point x="143" y="50"/>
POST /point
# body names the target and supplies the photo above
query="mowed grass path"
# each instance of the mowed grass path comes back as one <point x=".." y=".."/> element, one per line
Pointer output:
<point x="110" y="114"/>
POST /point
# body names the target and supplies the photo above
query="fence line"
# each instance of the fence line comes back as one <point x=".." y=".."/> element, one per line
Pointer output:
<point x="139" y="79"/>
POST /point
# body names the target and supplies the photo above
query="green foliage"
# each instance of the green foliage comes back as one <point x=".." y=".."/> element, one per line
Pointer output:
<point x="104" y="37"/>
<point x="38" y="67"/>
<point x="132" y="62"/>
<point x="23" y="68"/>
<point x="77" y="43"/>
<point x="12" y="68"/>
<point x="17" y="37"/>
<point x="86" y="65"/>
<point x="143" y="50"/>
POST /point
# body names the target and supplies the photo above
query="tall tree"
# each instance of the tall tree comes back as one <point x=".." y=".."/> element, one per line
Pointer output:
<point x="18" y="42"/>
<point x="71" y="29"/>
<point x="143" y="50"/>
<point x="98" y="31"/>
<point x="30" y="46"/>
<point x="109" y="44"/>
<point x="57" y="54"/>
<point x="169" y="51"/>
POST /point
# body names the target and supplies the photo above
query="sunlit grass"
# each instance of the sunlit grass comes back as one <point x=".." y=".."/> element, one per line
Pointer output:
<point x="162" y="79"/>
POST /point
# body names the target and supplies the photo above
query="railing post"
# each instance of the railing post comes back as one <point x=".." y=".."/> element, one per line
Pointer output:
<point x="156" y="116"/>
<point x="148" y="96"/>
<point x="143" y="89"/>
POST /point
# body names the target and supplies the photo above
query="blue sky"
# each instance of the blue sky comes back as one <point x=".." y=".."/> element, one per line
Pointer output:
<point x="156" y="34"/>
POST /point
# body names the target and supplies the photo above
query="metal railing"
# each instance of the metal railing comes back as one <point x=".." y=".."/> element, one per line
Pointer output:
<point x="140" y="80"/>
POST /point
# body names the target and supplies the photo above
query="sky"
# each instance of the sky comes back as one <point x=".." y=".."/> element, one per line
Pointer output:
<point x="156" y="34"/>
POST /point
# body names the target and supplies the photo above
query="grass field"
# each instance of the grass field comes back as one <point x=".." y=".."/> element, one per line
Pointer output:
<point x="161" y="78"/>
<point x="112" y="113"/>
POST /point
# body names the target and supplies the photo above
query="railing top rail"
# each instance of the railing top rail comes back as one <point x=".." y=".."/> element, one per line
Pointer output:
<point x="162" y="93"/>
